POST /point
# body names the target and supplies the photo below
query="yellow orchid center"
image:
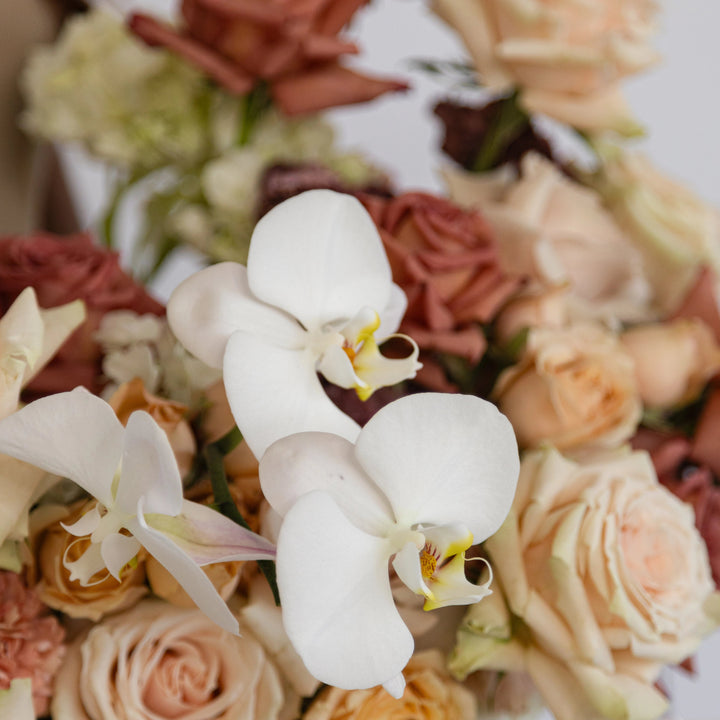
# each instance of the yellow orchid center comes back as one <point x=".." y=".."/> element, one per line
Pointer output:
<point x="429" y="557"/>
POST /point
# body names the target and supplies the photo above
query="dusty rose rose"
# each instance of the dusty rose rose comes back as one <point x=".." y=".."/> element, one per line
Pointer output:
<point x="30" y="640"/>
<point x="445" y="260"/>
<point x="429" y="693"/>
<point x="62" y="269"/>
<point x="673" y="361"/>
<point x="568" y="61"/>
<point x="169" y="415"/>
<point x="157" y="661"/>
<point x="557" y="232"/>
<point x="701" y="301"/>
<point x="573" y="387"/>
<point x="50" y="543"/>
<point x="290" y="44"/>
<point x="606" y="575"/>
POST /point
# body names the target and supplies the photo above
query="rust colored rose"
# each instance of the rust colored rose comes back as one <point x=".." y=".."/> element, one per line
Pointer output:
<point x="31" y="642"/>
<point x="61" y="269"/>
<point x="292" y="45"/>
<point x="445" y="260"/>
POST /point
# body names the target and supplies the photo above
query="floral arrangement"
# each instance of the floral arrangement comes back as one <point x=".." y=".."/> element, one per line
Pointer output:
<point x="390" y="454"/>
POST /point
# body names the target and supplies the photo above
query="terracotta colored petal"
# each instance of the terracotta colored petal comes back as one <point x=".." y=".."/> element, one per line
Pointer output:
<point x="328" y="86"/>
<point x="265" y="13"/>
<point x="337" y="14"/>
<point x="484" y="296"/>
<point x="226" y="74"/>
<point x="700" y="302"/>
<point x="469" y="343"/>
<point x="705" y="446"/>
<point x="321" y="48"/>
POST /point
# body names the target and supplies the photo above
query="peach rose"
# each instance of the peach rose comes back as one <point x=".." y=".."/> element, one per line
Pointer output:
<point x="51" y="543"/>
<point x="602" y="579"/>
<point x="169" y="415"/>
<point x="674" y="229"/>
<point x="572" y="387"/>
<point x="567" y="60"/>
<point x="429" y="693"/>
<point x="531" y="308"/>
<point x="157" y="661"/>
<point x="557" y="232"/>
<point x="673" y="361"/>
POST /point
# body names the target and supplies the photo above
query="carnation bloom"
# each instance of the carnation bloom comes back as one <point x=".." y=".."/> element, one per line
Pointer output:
<point x="77" y="435"/>
<point x="31" y="643"/>
<point x="430" y="475"/>
<point x="316" y="292"/>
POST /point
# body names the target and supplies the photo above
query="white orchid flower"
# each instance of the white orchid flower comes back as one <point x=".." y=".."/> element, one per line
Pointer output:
<point x="134" y="476"/>
<point x="29" y="337"/>
<point x="316" y="293"/>
<point x="429" y="475"/>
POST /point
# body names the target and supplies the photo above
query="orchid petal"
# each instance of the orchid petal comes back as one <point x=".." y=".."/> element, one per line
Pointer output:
<point x="117" y="551"/>
<point x="335" y="365"/>
<point x="191" y="578"/>
<point x="149" y="469"/>
<point x="86" y="524"/>
<point x="442" y="459"/>
<point x="395" y="686"/>
<point x="319" y="257"/>
<point x="301" y="463"/>
<point x="88" y="564"/>
<point x="376" y="371"/>
<point x="406" y="564"/>
<point x="392" y="314"/>
<point x="449" y="586"/>
<point x="21" y="328"/>
<point x="208" y="307"/>
<point x="337" y="606"/>
<point x="274" y="392"/>
<point x="73" y="434"/>
<point x="207" y="537"/>
<point x="58" y="324"/>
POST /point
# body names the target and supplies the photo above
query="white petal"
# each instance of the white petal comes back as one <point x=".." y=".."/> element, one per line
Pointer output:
<point x="74" y="435"/>
<point x="58" y="324"/>
<point x="192" y="579"/>
<point x="17" y="702"/>
<point x="299" y="464"/>
<point x="443" y="459"/>
<point x="149" y="469"/>
<point x="336" y="366"/>
<point x="337" y="606"/>
<point x="87" y="565"/>
<point x="449" y="586"/>
<point x="392" y="314"/>
<point x="86" y="524"/>
<point x="21" y="328"/>
<point x="319" y="257"/>
<point x="209" y="537"/>
<point x="117" y="551"/>
<point x="206" y="309"/>
<point x="275" y="392"/>
<point x="395" y="686"/>
<point x="406" y="564"/>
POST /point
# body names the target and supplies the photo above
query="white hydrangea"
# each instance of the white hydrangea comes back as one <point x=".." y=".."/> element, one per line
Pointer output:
<point x="137" y="107"/>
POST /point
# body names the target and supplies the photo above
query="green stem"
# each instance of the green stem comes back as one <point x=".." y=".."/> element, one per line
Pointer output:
<point x="107" y="227"/>
<point x="214" y="454"/>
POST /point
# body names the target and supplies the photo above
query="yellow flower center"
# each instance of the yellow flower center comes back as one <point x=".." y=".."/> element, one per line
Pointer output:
<point x="428" y="561"/>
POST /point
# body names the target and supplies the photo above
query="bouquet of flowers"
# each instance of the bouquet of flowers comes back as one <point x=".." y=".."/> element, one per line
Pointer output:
<point x="390" y="454"/>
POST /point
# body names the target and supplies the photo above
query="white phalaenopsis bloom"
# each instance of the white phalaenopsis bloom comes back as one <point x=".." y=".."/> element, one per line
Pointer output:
<point x="316" y="293"/>
<point x="134" y="476"/>
<point x="429" y="475"/>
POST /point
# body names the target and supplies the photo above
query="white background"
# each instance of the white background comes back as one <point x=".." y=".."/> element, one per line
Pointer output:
<point x="677" y="102"/>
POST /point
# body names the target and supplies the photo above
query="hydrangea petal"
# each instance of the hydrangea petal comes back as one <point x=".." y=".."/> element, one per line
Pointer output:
<point x="301" y="463"/>
<point x="189" y="575"/>
<point x="208" y="307"/>
<point x="443" y="459"/>
<point x="73" y="434"/>
<point x="274" y="392"/>
<point x="319" y="257"/>
<point x="337" y="606"/>
<point x="149" y="469"/>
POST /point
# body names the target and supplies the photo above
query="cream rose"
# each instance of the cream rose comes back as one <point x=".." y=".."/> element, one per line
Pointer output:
<point x="673" y="361"/>
<point x="429" y="693"/>
<point x="602" y="579"/>
<point x="567" y="58"/>
<point x="673" y="228"/>
<point x="157" y="661"/>
<point x="573" y="387"/>
<point x="557" y="232"/>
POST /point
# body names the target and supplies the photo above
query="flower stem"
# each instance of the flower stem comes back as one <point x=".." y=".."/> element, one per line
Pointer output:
<point x="214" y="454"/>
